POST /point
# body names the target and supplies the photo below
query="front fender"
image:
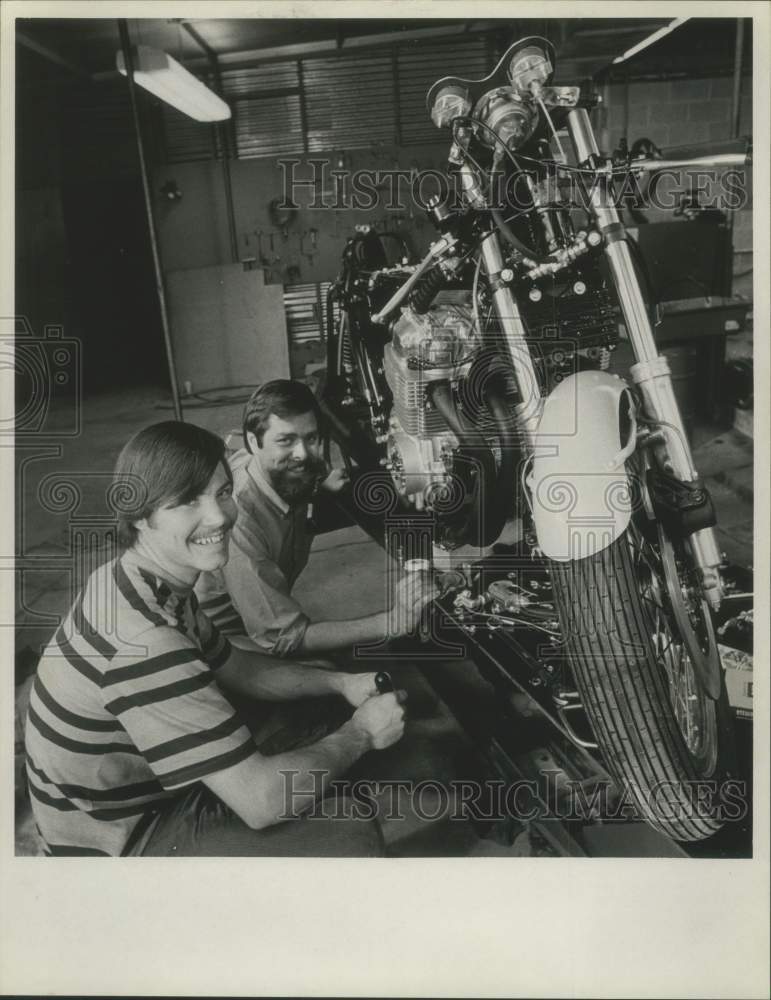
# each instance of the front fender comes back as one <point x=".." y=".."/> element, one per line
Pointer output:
<point x="579" y="490"/>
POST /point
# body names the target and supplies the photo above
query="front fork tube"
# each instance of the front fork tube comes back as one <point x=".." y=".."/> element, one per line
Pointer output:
<point x="528" y="410"/>
<point x="651" y="372"/>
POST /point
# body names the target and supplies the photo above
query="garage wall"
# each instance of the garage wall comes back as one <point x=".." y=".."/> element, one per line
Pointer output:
<point x="352" y="112"/>
<point x="229" y="328"/>
<point x="193" y="231"/>
<point x="347" y="113"/>
<point x="41" y="242"/>
<point x="301" y="258"/>
<point x="82" y="249"/>
<point x="675" y="112"/>
<point x="678" y="112"/>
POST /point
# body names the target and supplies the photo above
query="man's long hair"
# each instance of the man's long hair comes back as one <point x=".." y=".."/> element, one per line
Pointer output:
<point x="164" y="465"/>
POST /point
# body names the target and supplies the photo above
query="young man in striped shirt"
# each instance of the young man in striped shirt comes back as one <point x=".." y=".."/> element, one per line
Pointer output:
<point x="133" y="745"/>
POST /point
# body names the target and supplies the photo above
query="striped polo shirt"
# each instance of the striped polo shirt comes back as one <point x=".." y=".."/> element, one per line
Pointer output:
<point x="125" y="710"/>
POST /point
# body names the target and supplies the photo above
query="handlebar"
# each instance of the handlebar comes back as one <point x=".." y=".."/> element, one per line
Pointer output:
<point x="719" y="160"/>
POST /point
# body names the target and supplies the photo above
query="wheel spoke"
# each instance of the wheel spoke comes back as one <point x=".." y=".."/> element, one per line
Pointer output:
<point x="670" y="595"/>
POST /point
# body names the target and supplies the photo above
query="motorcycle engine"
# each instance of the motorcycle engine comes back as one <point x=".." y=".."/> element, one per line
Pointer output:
<point x="426" y="347"/>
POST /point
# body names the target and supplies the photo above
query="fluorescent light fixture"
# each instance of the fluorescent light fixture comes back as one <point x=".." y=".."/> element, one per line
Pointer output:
<point x="651" y="39"/>
<point x="163" y="76"/>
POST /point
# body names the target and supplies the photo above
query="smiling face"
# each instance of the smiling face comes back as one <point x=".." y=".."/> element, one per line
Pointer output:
<point x="290" y="455"/>
<point x="192" y="537"/>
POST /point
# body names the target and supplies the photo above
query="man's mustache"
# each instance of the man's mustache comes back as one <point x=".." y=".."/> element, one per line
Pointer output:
<point x="307" y="465"/>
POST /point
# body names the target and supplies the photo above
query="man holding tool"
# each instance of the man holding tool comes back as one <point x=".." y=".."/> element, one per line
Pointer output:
<point x="133" y="743"/>
<point x="276" y="474"/>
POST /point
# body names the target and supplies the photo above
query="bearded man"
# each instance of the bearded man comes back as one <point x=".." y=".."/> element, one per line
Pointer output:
<point x="275" y="476"/>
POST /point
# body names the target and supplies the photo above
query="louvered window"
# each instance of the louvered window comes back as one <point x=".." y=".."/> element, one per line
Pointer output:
<point x="350" y="102"/>
<point x="259" y="79"/>
<point x="347" y="101"/>
<point x="187" y="140"/>
<point x="267" y="119"/>
<point x="419" y="66"/>
<point x="269" y="126"/>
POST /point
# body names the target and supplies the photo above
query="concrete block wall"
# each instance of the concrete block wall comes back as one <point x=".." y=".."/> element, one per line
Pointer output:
<point x="677" y="112"/>
<point x="674" y="112"/>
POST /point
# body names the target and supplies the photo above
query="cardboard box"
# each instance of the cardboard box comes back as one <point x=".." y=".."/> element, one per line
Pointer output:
<point x="738" y="680"/>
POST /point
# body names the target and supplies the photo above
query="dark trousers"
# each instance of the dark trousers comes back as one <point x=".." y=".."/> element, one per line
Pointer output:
<point x="196" y="823"/>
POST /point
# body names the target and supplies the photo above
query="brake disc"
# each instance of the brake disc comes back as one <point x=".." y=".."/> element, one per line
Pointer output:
<point x="706" y="661"/>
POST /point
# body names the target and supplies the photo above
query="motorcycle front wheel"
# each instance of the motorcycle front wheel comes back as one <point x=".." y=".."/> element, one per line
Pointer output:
<point x="664" y="740"/>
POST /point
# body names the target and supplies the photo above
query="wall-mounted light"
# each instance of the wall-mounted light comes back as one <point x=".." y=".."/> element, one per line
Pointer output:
<point x="170" y="191"/>
<point x="164" y="77"/>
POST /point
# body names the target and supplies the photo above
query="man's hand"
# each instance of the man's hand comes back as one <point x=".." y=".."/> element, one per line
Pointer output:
<point x="356" y="688"/>
<point x="413" y="593"/>
<point x="336" y="481"/>
<point x="380" y="719"/>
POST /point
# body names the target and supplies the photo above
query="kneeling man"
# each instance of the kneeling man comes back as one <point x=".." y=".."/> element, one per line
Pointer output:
<point x="276" y="475"/>
<point x="133" y="746"/>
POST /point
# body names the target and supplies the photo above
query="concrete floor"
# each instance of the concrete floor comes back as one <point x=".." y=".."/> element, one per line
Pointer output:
<point x="61" y="491"/>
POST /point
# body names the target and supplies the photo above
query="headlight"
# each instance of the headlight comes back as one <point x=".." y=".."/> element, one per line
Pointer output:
<point x="451" y="102"/>
<point x="528" y="66"/>
<point x="512" y="121"/>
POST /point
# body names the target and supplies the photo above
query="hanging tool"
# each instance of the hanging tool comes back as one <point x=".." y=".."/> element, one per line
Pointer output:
<point x="261" y="255"/>
<point x="312" y="234"/>
<point x="282" y="216"/>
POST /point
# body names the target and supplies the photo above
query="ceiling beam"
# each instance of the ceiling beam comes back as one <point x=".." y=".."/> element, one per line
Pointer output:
<point x="389" y="37"/>
<point x="349" y="42"/>
<point x="252" y="57"/>
<point x="201" y="42"/>
<point x="628" y="29"/>
<point x="300" y="50"/>
<point x="51" y="55"/>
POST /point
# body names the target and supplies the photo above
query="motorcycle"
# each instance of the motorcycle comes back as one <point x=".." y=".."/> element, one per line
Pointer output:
<point x="480" y="378"/>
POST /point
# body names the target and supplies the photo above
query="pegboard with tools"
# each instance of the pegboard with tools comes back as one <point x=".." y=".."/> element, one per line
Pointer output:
<point x="293" y="214"/>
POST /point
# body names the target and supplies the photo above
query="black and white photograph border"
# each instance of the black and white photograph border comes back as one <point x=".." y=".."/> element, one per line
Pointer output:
<point x="381" y="547"/>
